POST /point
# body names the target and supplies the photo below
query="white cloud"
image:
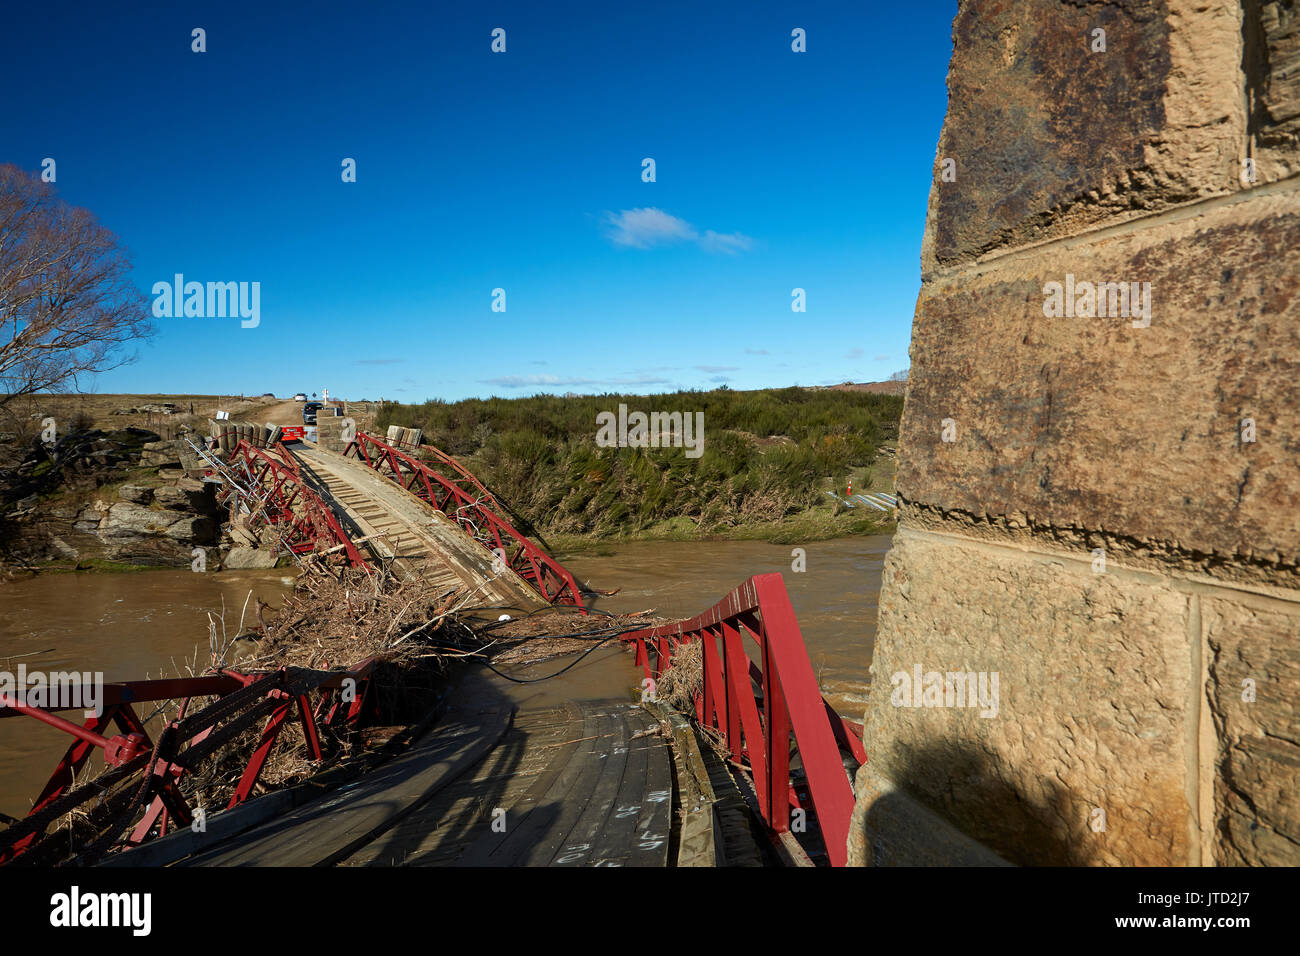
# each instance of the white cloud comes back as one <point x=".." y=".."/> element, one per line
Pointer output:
<point x="644" y="228"/>
<point x="730" y="243"/>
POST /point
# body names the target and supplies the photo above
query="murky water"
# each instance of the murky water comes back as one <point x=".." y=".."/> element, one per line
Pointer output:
<point x="149" y="624"/>
<point x="834" y="598"/>
<point x="129" y="626"/>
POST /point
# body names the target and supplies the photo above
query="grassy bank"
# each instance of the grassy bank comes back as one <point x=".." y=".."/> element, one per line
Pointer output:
<point x="768" y="457"/>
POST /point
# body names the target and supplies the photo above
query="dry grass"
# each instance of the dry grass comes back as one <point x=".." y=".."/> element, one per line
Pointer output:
<point x="684" y="680"/>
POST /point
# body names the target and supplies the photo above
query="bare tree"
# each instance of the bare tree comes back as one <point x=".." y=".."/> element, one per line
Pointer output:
<point x="67" y="308"/>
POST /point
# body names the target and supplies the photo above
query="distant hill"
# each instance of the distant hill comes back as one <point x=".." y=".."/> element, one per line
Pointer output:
<point x="875" y="388"/>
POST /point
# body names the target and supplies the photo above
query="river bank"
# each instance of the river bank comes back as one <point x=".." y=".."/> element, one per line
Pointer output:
<point x="813" y="525"/>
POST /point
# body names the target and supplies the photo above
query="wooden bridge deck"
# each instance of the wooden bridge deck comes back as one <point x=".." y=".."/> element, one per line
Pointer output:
<point x="596" y="783"/>
<point x="422" y="541"/>
<point x="587" y="784"/>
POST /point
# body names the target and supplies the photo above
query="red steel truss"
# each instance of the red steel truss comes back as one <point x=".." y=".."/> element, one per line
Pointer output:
<point x="472" y="512"/>
<point x="759" y="707"/>
<point x="303" y="521"/>
<point x="145" y="774"/>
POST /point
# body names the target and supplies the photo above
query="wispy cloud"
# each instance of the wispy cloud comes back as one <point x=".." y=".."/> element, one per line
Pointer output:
<point x="882" y="358"/>
<point x="387" y="361"/>
<point x="854" y="354"/>
<point x="757" y="352"/>
<point x="554" y="381"/>
<point x="713" y="369"/>
<point x="730" y="243"/>
<point x="648" y="227"/>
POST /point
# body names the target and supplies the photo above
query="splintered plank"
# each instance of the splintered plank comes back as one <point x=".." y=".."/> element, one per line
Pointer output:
<point x="327" y="831"/>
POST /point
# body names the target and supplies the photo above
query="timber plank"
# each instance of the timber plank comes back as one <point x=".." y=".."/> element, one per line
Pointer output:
<point x="326" y="831"/>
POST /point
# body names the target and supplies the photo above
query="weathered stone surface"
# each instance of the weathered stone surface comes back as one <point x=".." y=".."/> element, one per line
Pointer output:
<point x="1028" y="441"/>
<point x="241" y="559"/>
<point x="330" y="431"/>
<point x="1092" y="423"/>
<point x="161" y="454"/>
<point x="1093" y="679"/>
<point x="1272" y="59"/>
<point x="1049" y="136"/>
<point x="136" y="494"/>
<point x="1256" y="802"/>
<point x="139" y="535"/>
<point x="125" y="519"/>
<point x="188" y="494"/>
<point x="890" y="828"/>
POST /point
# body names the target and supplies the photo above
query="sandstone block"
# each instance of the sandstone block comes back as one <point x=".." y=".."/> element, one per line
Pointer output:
<point x="1185" y="433"/>
<point x="1254" y="670"/>
<point x="1093" y="682"/>
<point x="1050" y="135"/>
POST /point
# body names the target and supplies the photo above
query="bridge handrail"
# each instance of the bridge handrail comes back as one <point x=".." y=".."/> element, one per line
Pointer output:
<point x="759" y="727"/>
<point x="550" y="578"/>
<point x="452" y="463"/>
<point x="242" y="698"/>
<point x="315" y="523"/>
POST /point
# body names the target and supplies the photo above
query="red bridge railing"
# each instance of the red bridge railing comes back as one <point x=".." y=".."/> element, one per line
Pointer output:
<point x="303" y="521"/>
<point x="453" y="470"/>
<point x="760" y="707"/>
<point x="473" y="514"/>
<point x="145" y="774"/>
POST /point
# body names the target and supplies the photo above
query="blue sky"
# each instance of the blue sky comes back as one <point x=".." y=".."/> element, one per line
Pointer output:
<point x="519" y="170"/>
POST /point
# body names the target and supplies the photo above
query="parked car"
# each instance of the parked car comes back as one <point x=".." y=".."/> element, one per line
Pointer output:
<point x="309" y="412"/>
<point x="300" y="397"/>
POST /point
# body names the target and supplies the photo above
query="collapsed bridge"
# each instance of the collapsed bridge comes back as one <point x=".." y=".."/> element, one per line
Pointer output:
<point x="752" y="767"/>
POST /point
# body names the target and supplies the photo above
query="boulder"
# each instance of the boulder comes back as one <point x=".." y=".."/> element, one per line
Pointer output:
<point x="157" y="454"/>
<point x="248" y="559"/>
<point x="136" y="494"/>
<point x="188" y="495"/>
<point x="126" y="520"/>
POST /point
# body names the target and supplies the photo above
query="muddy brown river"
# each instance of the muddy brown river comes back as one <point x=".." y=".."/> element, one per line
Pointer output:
<point x="834" y="598"/>
<point x="150" y="624"/>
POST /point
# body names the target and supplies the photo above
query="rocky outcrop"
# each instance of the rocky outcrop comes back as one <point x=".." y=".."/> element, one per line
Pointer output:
<point x="137" y="534"/>
<point x="1101" y="498"/>
<point x="76" y="510"/>
<point x="162" y="454"/>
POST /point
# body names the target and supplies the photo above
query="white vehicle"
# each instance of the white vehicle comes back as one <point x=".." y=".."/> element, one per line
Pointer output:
<point x="300" y="397"/>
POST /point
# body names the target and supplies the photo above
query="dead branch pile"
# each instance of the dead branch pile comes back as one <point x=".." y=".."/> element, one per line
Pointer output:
<point x="554" y="631"/>
<point x="684" y="680"/>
